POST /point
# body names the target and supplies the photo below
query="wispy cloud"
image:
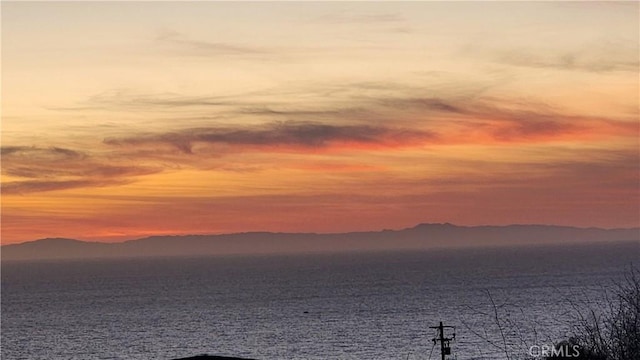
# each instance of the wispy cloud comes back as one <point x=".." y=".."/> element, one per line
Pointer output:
<point x="480" y="120"/>
<point x="391" y="23"/>
<point x="432" y="104"/>
<point x="568" y="61"/>
<point x="118" y="100"/>
<point x="45" y="169"/>
<point x="533" y="129"/>
<point x="283" y="135"/>
<point x="597" y="58"/>
<point x="30" y="186"/>
<point x="185" y="45"/>
<point x="325" y="117"/>
<point x="53" y="152"/>
<point x="403" y="120"/>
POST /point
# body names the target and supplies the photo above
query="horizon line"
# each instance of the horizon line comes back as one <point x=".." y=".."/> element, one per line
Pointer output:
<point x="128" y="238"/>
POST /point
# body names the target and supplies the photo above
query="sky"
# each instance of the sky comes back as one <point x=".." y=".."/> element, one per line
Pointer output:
<point x="127" y="119"/>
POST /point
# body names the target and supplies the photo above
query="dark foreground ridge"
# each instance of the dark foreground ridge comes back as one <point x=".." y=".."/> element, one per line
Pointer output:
<point x="212" y="357"/>
<point x="423" y="236"/>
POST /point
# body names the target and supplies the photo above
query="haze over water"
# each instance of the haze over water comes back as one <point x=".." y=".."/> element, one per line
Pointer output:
<point x="342" y="306"/>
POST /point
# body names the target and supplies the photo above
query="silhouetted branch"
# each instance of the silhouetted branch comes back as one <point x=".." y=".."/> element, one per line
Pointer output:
<point x="497" y="320"/>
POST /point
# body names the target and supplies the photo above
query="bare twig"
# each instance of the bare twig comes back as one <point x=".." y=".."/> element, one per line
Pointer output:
<point x="497" y="320"/>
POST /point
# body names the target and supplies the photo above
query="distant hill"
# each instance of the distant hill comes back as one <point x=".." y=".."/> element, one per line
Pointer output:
<point x="423" y="236"/>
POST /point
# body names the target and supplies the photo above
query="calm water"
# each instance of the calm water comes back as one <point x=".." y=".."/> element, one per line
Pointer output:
<point x="348" y="306"/>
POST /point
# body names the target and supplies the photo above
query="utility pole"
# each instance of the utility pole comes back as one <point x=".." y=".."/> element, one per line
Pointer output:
<point x="445" y="349"/>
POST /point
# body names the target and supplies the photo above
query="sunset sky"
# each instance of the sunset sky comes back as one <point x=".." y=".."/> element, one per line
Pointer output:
<point x="127" y="119"/>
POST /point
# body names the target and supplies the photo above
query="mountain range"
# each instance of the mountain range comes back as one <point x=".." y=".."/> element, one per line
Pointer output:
<point x="422" y="236"/>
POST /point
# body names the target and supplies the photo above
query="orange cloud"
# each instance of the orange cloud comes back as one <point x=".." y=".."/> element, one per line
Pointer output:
<point x="47" y="169"/>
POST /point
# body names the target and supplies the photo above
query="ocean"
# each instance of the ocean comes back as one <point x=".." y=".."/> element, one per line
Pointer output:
<point x="313" y="306"/>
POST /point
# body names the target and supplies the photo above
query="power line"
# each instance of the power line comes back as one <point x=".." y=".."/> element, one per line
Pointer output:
<point x="445" y="347"/>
